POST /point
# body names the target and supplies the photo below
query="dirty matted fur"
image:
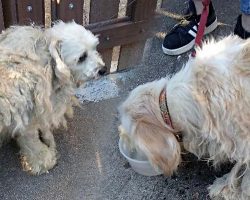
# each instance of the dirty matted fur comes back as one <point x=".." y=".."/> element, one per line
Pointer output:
<point x="38" y="71"/>
<point x="209" y="101"/>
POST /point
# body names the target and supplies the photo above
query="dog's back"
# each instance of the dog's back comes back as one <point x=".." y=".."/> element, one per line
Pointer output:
<point x="220" y="85"/>
<point x="24" y="91"/>
<point x="26" y="39"/>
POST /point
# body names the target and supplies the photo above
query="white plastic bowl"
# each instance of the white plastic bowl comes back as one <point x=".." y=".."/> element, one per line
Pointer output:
<point x="142" y="167"/>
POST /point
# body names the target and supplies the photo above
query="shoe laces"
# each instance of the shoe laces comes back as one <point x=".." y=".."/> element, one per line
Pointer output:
<point x="182" y="26"/>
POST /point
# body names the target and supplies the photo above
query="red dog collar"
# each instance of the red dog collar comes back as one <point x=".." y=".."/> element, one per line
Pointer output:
<point x="164" y="108"/>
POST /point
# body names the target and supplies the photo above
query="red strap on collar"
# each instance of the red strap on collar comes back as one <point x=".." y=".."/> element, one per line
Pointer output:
<point x="202" y="24"/>
<point x="164" y="108"/>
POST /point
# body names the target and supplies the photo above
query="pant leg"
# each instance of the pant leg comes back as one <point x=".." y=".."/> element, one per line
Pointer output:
<point x="245" y="6"/>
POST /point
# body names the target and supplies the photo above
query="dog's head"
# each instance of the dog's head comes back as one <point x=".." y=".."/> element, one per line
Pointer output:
<point x="76" y="48"/>
<point x="142" y="122"/>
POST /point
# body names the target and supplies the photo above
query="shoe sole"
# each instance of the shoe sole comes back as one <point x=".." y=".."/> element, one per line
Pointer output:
<point x="187" y="47"/>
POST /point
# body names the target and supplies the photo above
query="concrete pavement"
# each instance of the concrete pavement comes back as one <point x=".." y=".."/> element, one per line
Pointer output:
<point x="90" y="166"/>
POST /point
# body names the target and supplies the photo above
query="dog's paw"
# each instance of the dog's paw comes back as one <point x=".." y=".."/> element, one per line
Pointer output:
<point x="245" y="184"/>
<point x="40" y="162"/>
<point x="220" y="190"/>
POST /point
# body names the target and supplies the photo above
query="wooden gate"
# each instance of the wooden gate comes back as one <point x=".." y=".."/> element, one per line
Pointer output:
<point x="122" y="25"/>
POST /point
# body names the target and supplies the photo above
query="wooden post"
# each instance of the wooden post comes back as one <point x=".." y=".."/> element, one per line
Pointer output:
<point x="104" y="10"/>
<point x="47" y="13"/>
<point x="30" y="11"/>
<point x="141" y="11"/>
<point x="67" y="10"/>
<point x="23" y="12"/>
<point x="9" y="12"/>
<point x="1" y="17"/>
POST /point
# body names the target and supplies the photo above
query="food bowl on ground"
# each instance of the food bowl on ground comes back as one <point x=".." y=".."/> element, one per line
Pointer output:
<point x="137" y="160"/>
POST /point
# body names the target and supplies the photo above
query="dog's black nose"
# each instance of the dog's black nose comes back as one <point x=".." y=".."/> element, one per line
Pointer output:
<point x="102" y="71"/>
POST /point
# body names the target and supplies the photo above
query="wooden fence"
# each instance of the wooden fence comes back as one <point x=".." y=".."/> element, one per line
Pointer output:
<point x="122" y="25"/>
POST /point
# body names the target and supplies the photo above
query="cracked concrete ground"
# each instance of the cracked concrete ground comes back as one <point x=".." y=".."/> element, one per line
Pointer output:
<point x="90" y="165"/>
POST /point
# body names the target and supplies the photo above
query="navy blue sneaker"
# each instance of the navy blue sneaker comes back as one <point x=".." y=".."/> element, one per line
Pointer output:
<point x="182" y="37"/>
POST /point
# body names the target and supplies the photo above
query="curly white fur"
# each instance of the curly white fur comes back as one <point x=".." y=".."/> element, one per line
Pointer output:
<point x="39" y="70"/>
<point x="208" y="101"/>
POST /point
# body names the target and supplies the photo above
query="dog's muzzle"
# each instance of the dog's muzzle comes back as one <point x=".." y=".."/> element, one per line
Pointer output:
<point x="103" y="71"/>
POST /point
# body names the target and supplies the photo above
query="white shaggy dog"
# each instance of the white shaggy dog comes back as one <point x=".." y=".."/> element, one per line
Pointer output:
<point x="208" y="102"/>
<point x="38" y="71"/>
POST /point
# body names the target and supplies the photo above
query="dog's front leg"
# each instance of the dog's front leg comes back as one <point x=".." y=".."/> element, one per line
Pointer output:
<point x="245" y="185"/>
<point x="47" y="138"/>
<point x="38" y="154"/>
<point x="229" y="186"/>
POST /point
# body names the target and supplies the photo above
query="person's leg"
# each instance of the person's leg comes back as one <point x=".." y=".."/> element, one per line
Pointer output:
<point x="198" y="6"/>
<point x="182" y="37"/>
<point x="245" y="9"/>
<point x="242" y="27"/>
<point x="246" y="22"/>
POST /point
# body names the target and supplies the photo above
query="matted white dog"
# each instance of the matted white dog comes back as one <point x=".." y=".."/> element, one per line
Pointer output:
<point x="38" y="71"/>
<point x="208" y="101"/>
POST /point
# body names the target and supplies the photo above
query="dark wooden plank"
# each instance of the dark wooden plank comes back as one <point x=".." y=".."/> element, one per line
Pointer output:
<point x="103" y="10"/>
<point x="68" y="10"/>
<point x="1" y="17"/>
<point x="30" y="11"/>
<point x="9" y="12"/>
<point x="143" y="10"/>
<point x="106" y="23"/>
<point x="121" y="33"/>
<point x="107" y="56"/>
<point x="132" y="51"/>
<point x="130" y="7"/>
<point x="53" y="11"/>
<point x="139" y="11"/>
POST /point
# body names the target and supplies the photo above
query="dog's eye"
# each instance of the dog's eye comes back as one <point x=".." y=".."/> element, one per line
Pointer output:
<point x="83" y="57"/>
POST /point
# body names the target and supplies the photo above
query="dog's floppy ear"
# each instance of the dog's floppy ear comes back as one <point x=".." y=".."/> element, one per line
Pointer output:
<point x="160" y="146"/>
<point x="62" y="72"/>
